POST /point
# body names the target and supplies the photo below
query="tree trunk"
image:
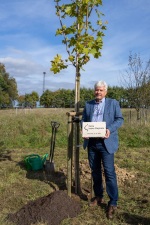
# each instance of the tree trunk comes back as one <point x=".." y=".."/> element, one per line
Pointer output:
<point x="77" y="107"/>
<point x="77" y="130"/>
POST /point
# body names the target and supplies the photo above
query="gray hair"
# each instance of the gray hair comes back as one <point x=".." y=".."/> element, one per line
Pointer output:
<point x="101" y="83"/>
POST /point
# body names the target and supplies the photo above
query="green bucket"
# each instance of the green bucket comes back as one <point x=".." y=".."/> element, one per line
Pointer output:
<point x="35" y="162"/>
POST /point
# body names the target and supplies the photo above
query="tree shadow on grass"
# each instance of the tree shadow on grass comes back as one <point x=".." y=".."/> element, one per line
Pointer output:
<point x="135" y="219"/>
<point x="56" y="180"/>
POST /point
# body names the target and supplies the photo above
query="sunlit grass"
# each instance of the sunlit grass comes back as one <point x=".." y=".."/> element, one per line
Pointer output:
<point x="30" y="133"/>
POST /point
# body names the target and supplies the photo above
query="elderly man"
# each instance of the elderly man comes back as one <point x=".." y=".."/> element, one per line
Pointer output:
<point x="102" y="149"/>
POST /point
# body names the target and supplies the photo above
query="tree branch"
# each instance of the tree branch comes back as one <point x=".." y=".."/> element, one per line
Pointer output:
<point x="87" y="12"/>
<point x="64" y="33"/>
<point x="85" y="24"/>
<point x="91" y="8"/>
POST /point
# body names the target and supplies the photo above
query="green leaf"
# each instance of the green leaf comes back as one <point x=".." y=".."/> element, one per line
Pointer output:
<point x="99" y="39"/>
<point x="82" y="68"/>
<point x="93" y="51"/>
<point x="68" y="10"/>
<point x="63" y="41"/>
<point x="71" y="58"/>
<point x="86" y="1"/>
<point x="99" y="22"/>
<point x="57" y="64"/>
<point x="86" y="51"/>
<point x="99" y="2"/>
<point x="59" y="32"/>
<point x="101" y="13"/>
<point x="104" y="28"/>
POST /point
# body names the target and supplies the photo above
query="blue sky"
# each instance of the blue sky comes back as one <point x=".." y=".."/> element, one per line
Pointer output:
<point x="28" y="43"/>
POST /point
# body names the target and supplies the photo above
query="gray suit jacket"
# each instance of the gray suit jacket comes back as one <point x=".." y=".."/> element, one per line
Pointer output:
<point x="113" y="118"/>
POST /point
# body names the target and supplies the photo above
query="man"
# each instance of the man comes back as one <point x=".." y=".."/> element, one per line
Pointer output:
<point x="103" y="149"/>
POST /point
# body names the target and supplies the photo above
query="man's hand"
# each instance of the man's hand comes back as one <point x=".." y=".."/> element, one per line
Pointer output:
<point x="107" y="134"/>
<point x="84" y="137"/>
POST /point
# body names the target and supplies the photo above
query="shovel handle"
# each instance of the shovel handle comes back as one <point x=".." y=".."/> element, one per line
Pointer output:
<point x="57" y="125"/>
<point x="53" y="123"/>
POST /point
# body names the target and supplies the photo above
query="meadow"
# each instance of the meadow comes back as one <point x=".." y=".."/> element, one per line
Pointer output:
<point x="29" y="132"/>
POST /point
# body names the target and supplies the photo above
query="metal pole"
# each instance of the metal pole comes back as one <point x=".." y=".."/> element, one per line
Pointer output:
<point x="44" y="81"/>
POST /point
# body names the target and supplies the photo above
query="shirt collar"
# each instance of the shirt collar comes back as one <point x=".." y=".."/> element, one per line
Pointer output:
<point x="102" y="101"/>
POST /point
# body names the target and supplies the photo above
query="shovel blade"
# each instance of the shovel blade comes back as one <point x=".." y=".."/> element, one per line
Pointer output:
<point x="50" y="166"/>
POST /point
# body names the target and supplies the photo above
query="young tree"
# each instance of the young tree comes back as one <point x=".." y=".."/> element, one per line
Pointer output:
<point x="136" y="80"/>
<point x="81" y="39"/>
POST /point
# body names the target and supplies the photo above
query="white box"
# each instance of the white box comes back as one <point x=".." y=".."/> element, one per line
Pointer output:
<point x="94" y="129"/>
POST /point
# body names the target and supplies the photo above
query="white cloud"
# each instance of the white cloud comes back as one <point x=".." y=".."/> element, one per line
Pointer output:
<point x="15" y="14"/>
<point x="21" y="67"/>
<point x="28" y="42"/>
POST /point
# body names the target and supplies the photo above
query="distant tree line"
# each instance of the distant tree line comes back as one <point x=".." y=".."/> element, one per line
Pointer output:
<point x="9" y="92"/>
<point x="8" y="88"/>
<point x="28" y="100"/>
<point x="65" y="98"/>
<point x="134" y="91"/>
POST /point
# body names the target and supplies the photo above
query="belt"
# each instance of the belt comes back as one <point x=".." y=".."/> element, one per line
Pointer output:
<point x="97" y="138"/>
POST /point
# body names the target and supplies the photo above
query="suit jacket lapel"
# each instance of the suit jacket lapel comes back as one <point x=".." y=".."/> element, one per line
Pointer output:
<point x="106" y="109"/>
<point x="92" y="110"/>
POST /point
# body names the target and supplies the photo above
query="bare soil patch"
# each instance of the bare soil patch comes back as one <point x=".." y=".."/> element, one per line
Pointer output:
<point x="85" y="173"/>
<point x="51" y="209"/>
<point x="57" y="206"/>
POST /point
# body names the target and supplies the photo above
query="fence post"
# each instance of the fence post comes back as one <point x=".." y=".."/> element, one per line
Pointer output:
<point x="130" y="117"/>
<point x="145" y="116"/>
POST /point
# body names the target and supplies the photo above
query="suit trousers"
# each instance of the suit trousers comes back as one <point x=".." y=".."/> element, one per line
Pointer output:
<point x="97" y="155"/>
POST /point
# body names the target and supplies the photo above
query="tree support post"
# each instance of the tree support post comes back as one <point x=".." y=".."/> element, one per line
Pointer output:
<point x="70" y="153"/>
<point x="69" y="157"/>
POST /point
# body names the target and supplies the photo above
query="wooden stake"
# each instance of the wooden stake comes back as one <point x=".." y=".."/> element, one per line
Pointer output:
<point x="69" y="158"/>
<point x="130" y="117"/>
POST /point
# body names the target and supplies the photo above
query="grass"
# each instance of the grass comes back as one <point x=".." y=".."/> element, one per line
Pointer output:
<point x="30" y="133"/>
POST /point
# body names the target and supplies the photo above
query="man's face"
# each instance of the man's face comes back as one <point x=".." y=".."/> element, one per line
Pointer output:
<point x="100" y="93"/>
